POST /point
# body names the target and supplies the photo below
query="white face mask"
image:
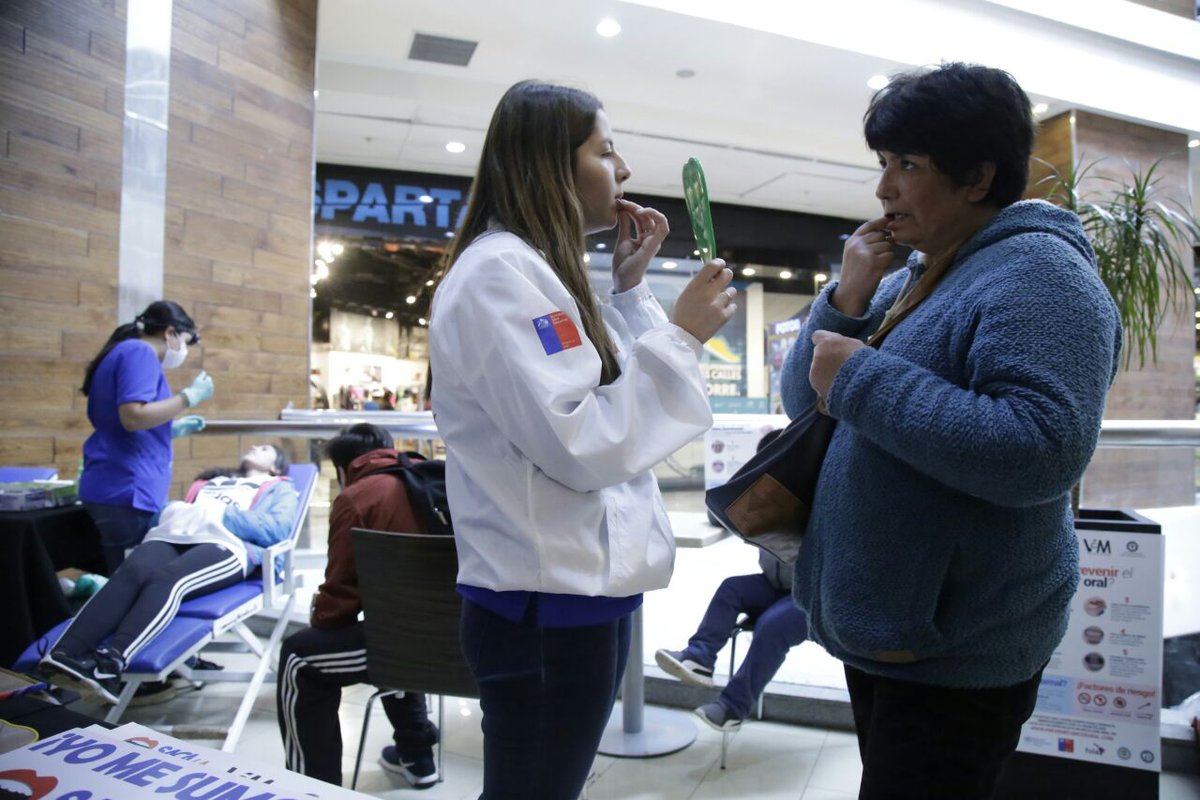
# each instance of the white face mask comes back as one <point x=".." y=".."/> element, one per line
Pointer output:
<point x="175" y="358"/>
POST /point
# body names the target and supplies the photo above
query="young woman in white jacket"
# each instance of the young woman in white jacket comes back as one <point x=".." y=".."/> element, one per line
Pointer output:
<point x="554" y="407"/>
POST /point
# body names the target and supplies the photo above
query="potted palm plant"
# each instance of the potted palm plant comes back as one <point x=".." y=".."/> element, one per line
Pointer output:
<point x="1139" y="239"/>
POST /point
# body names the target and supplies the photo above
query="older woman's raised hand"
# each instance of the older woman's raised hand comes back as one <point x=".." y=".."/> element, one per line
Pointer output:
<point x="830" y="351"/>
<point x="865" y="259"/>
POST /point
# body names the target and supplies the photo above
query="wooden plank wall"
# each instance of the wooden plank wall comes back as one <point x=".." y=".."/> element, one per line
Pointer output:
<point x="239" y="207"/>
<point x="1143" y="477"/>
<point x="61" y="100"/>
<point x="238" y="217"/>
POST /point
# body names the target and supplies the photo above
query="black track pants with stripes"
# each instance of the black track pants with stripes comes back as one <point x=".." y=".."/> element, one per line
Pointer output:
<point x="143" y="595"/>
<point x="314" y="665"/>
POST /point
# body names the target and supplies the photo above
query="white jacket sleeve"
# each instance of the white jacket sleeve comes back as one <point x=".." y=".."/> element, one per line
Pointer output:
<point x="541" y="390"/>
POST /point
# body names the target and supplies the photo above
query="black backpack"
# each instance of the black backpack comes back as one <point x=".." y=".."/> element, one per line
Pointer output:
<point x="425" y="480"/>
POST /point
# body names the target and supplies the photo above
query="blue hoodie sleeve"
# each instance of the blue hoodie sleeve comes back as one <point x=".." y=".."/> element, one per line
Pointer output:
<point x="797" y="392"/>
<point x="1041" y="347"/>
<point x="267" y="521"/>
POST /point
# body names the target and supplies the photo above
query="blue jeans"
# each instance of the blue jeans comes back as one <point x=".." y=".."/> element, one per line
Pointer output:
<point x="120" y="527"/>
<point x="546" y="696"/>
<point x="934" y="742"/>
<point x="778" y="627"/>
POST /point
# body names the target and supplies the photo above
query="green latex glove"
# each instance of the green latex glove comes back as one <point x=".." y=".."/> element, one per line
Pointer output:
<point x="200" y="389"/>
<point x="186" y="425"/>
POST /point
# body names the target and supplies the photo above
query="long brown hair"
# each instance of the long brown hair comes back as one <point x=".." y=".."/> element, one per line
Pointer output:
<point x="526" y="184"/>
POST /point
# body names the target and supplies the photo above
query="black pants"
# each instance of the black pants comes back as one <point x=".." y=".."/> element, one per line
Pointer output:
<point x="919" y="741"/>
<point x="314" y="665"/>
<point x="546" y="696"/>
<point x="120" y="527"/>
<point x="143" y="595"/>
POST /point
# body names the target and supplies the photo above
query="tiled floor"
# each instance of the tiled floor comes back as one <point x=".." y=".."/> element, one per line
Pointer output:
<point x="766" y="760"/>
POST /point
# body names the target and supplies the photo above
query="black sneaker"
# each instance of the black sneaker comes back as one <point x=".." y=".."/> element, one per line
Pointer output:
<point x="59" y="662"/>
<point x="203" y="664"/>
<point x="681" y="664"/>
<point x="81" y="674"/>
<point x="415" y="766"/>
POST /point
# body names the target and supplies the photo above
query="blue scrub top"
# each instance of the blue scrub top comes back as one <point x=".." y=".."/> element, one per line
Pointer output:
<point x="120" y="467"/>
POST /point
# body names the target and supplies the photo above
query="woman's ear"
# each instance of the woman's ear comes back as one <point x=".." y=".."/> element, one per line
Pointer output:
<point x="981" y="182"/>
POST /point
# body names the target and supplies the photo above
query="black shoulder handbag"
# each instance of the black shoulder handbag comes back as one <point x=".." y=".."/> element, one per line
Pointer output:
<point x="767" y="502"/>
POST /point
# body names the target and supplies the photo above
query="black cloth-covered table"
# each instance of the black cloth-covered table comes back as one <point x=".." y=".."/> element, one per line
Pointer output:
<point x="34" y="545"/>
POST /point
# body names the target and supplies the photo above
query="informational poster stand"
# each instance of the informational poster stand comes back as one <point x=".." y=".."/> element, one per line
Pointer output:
<point x="132" y="762"/>
<point x="732" y="440"/>
<point x="1095" y="730"/>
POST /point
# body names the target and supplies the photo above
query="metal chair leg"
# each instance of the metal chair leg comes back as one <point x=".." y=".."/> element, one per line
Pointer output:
<point x="362" y="739"/>
<point x="441" y="742"/>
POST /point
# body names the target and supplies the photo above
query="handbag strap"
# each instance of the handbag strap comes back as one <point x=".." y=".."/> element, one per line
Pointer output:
<point x="913" y="292"/>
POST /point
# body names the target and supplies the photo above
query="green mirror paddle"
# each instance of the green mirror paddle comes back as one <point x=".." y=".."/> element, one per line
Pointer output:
<point x="695" y="194"/>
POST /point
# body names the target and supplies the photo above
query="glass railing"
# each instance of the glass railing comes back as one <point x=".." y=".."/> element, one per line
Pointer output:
<point x="699" y="567"/>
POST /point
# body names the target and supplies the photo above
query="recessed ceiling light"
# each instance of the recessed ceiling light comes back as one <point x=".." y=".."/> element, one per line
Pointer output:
<point x="410" y="299"/>
<point x="1194" y="143"/>
<point x="587" y="258"/>
<point x="1040" y="108"/>
<point x="421" y="320"/>
<point x="449" y="234"/>
<point x="785" y="274"/>
<point x="425" y="198"/>
<point x="877" y="82"/>
<point x="429" y="283"/>
<point x="748" y="271"/>
<point x="820" y="277"/>
<point x="600" y="245"/>
<point x="455" y="147"/>
<point x="608" y="27"/>
<point x="669" y="265"/>
<point x="390" y="315"/>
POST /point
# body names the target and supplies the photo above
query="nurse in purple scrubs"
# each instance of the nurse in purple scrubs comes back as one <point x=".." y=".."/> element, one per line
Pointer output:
<point x="127" y="460"/>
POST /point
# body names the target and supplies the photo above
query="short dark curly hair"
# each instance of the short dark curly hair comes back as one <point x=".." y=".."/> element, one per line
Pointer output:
<point x="961" y="116"/>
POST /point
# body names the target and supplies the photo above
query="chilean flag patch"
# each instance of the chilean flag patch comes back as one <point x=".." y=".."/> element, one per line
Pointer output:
<point x="557" y="332"/>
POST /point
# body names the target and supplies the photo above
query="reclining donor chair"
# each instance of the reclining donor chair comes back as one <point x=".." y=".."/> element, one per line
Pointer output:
<point x="202" y="620"/>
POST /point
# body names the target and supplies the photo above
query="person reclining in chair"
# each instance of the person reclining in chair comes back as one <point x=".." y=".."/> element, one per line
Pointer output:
<point x="213" y="540"/>
<point x="315" y="663"/>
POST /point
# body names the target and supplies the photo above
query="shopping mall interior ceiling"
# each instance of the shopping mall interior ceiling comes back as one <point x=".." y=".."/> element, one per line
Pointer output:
<point x="769" y="95"/>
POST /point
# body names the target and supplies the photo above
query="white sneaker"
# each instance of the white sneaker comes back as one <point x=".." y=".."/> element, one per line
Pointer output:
<point x="678" y="664"/>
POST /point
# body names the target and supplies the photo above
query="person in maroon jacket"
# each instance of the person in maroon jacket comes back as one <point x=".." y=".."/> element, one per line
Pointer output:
<point x="315" y="663"/>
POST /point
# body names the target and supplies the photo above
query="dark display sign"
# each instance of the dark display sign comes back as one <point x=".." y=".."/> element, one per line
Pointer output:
<point x="378" y="202"/>
<point x="392" y="204"/>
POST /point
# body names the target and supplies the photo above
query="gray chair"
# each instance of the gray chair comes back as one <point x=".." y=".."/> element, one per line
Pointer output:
<point x="411" y="612"/>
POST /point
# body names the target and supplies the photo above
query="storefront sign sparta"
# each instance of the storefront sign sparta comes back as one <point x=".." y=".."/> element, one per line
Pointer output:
<point x="337" y="199"/>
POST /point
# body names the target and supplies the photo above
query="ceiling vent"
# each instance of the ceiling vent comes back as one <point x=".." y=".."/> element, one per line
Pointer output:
<point x="442" y="49"/>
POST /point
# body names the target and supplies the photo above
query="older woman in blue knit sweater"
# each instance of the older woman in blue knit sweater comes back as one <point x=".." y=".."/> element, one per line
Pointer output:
<point x="940" y="559"/>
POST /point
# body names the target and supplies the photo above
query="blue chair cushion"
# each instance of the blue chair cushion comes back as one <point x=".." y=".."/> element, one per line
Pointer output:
<point x="28" y="660"/>
<point x="221" y="602"/>
<point x="177" y="638"/>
